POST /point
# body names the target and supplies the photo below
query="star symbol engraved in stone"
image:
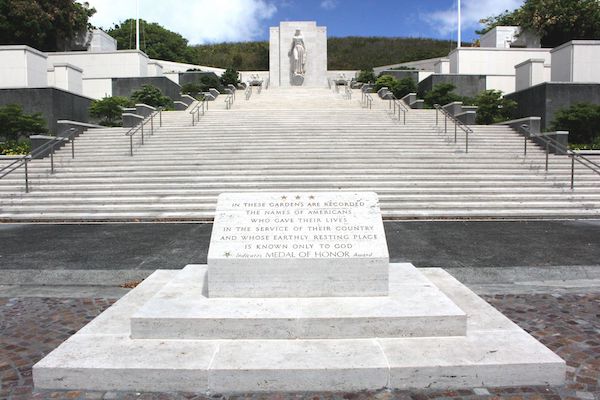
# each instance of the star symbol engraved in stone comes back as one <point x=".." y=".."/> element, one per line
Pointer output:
<point x="227" y="254"/>
<point x="311" y="197"/>
<point x="297" y="197"/>
<point x="283" y="197"/>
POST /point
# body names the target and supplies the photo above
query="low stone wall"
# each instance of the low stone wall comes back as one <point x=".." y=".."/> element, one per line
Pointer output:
<point x="545" y="99"/>
<point x="54" y="104"/>
<point x="126" y="86"/>
<point x="466" y="85"/>
<point x="194" y="76"/>
<point x="402" y="73"/>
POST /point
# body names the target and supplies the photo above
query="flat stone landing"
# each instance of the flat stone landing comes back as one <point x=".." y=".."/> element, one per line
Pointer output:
<point x="103" y="355"/>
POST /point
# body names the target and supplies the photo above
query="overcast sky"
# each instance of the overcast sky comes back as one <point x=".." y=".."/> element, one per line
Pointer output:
<point x="207" y="21"/>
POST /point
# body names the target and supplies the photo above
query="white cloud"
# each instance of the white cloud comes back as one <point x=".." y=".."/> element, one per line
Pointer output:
<point x="329" y="4"/>
<point x="445" y="21"/>
<point x="199" y="21"/>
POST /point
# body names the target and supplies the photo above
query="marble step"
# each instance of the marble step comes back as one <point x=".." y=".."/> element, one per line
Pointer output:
<point x="208" y="216"/>
<point x="103" y="356"/>
<point x="181" y="310"/>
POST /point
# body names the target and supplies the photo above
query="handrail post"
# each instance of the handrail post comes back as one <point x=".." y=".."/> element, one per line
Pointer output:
<point x="26" y="177"/>
<point x="525" y="145"/>
<point x="455" y="130"/>
<point x="152" y="124"/>
<point x="131" y="145"/>
<point x="445" y="124"/>
<point x="52" y="161"/>
<point x="142" y="132"/>
<point x="160" y="117"/>
<point x="547" y="151"/>
<point x="437" y="116"/>
<point x="404" y="117"/>
<point x="572" y="171"/>
<point x="72" y="145"/>
<point x="467" y="142"/>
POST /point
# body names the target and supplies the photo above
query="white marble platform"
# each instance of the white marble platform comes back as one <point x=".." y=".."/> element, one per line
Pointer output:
<point x="103" y="356"/>
<point x="414" y="307"/>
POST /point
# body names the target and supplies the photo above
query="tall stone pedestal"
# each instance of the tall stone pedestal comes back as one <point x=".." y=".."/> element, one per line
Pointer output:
<point x="413" y="328"/>
<point x="281" y="71"/>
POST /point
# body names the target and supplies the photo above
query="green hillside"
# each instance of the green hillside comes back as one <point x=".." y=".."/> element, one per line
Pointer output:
<point x="343" y="53"/>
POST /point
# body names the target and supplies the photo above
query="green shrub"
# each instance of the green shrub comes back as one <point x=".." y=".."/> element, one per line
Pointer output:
<point x="442" y="94"/>
<point x="193" y="89"/>
<point x="230" y="77"/>
<point x="151" y="96"/>
<point x="385" y="81"/>
<point x="14" y="148"/>
<point x="108" y="111"/>
<point x="582" y="120"/>
<point x="405" y="86"/>
<point x="399" y="88"/>
<point x="595" y="145"/>
<point x="15" y="124"/>
<point x="492" y="107"/>
<point x="366" y="76"/>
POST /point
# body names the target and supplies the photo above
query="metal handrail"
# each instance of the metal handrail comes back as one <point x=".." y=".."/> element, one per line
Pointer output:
<point x="140" y="127"/>
<point x="398" y="104"/>
<point x="348" y="92"/>
<point x="457" y="124"/>
<point x="195" y="111"/>
<point x="229" y="101"/>
<point x="48" y="146"/>
<point x="248" y="92"/>
<point x="550" y="142"/>
<point x="366" y="100"/>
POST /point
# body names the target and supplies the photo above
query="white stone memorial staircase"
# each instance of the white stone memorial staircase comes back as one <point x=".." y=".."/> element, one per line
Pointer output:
<point x="299" y="139"/>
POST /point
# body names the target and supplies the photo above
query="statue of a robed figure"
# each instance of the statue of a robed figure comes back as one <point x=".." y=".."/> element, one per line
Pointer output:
<point x="297" y="58"/>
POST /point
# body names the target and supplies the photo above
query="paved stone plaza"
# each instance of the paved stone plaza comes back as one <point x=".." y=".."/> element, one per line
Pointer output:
<point x="568" y="324"/>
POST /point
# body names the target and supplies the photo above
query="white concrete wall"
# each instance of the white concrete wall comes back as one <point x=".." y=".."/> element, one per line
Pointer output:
<point x="97" y="88"/>
<point x="118" y="64"/>
<point x="22" y="66"/>
<point x="442" y="66"/>
<point x="576" y="61"/>
<point x="489" y="61"/>
<point x="170" y="67"/>
<point x="530" y="73"/>
<point x="424" y="74"/>
<point x="66" y="77"/>
<point x="274" y="76"/>
<point x="246" y="76"/>
<point x="499" y="37"/>
<point x="174" y="76"/>
<point x="155" y="69"/>
<point x="102" y="42"/>
<point x="505" y="83"/>
<point x="424" y="65"/>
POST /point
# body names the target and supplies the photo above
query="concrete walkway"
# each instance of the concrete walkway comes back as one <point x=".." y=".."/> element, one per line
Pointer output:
<point x="476" y="252"/>
<point x="426" y="244"/>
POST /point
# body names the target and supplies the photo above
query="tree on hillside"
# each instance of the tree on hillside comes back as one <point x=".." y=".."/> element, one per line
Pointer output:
<point x="555" y="21"/>
<point x="47" y="25"/>
<point x="155" y="40"/>
<point x="230" y="77"/>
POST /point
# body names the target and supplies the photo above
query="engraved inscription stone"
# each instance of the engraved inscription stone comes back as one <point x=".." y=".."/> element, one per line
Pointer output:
<point x="298" y="244"/>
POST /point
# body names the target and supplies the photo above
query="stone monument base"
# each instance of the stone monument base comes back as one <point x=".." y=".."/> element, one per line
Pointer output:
<point x="165" y="335"/>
